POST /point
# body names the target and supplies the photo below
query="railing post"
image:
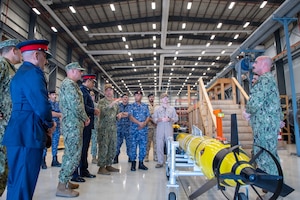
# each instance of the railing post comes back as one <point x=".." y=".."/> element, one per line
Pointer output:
<point x="233" y="91"/>
<point x="222" y="91"/>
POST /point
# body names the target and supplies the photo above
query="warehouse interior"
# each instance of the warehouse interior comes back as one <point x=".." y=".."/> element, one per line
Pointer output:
<point x="191" y="49"/>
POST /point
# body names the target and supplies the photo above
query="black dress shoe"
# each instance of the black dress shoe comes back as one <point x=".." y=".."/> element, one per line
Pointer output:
<point x="78" y="179"/>
<point x="88" y="175"/>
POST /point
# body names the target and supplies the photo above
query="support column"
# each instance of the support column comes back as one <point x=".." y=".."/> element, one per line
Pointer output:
<point x="279" y="65"/>
<point x="69" y="54"/>
<point x="285" y="22"/>
<point x="53" y="67"/>
<point x="53" y="45"/>
<point x="32" y="23"/>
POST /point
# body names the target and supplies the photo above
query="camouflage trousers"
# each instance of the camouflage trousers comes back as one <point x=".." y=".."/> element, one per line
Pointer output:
<point x="139" y="139"/>
<point x="266" y="136"/>
<point x="94" y="142"/>
<point x="151" y="139"/>
<point x="107" y="145"/>
<point x="72" y="153"/>
<point x="3" y="169"/>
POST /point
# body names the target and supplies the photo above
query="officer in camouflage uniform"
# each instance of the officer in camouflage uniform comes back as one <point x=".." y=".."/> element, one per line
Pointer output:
<point x="56" y="116"/>
<point x="139" y="116"/>
<point x="264" y="111"/>
<point x="107" y="133"/>
<point x="94" y="132"/>
<point x="10" y="56"/>
<point x="151" y="130"/>
<point x="74" y="118"/>
<point x="123" y="126"/>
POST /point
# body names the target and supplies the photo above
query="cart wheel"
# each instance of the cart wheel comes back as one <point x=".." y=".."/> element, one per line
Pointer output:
<point x="168" y="172"/>
<point x="172" y="196"/>
<point x="242" y="196"/>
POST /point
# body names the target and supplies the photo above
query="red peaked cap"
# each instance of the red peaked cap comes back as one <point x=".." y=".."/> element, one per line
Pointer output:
<point x="33" y="45"/>
<point x="89" y="76"/>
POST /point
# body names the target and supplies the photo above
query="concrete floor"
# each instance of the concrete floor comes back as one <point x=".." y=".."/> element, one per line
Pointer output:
<point x="151" y="184"/>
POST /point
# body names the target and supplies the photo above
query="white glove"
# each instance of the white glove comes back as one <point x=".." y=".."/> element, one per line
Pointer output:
<point x="246" y="115"/>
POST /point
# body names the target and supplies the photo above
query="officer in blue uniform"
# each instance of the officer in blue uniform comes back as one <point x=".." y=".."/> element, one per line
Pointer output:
<point x="123" y="126"/>
<point x="31" y="119"/>
<point x="87" y="85"/>
<point x="56" y="116"/>
<point x="139" y="116"/>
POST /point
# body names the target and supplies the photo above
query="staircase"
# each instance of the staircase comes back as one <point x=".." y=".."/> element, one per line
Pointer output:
<point x="244" y="130"/>
<point x="221" y="95"/>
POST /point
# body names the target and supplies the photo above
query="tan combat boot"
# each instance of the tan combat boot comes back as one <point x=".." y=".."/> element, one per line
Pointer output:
<point x="112" y="169"/>
<point x="64" y="191"/>
<point x="72" y="185"/>
<point x="103" y="171"/>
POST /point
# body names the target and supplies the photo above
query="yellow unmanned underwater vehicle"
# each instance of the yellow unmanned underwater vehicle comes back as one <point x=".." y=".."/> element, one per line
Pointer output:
<point x="224" y="165"/>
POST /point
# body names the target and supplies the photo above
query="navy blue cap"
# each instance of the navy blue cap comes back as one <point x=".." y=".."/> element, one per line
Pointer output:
<point x="35" y="45"/>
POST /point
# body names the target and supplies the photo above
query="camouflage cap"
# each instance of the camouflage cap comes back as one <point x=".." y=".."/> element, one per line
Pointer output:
<point x="8" y="43"/>
<point x="163" y="95"/>
<point x="74" y="65"/>
<point x="106" y="86"/>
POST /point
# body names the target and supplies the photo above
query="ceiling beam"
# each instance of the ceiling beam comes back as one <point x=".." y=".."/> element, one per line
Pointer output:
<point x="158" y="19"/>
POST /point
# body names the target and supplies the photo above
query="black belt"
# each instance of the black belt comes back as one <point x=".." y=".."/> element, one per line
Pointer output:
<point x="21" y="106"/>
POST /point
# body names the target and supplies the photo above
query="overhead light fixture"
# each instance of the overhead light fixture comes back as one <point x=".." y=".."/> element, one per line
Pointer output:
<point x="176" y="52"/>
<point x="263" y="4"/>
<point x="126" y="46"/>
<point x="124" y="39"/>
<point x="154" y="53"/>
<point x="246" y="24"/>
<point x="120" y="27"/>
<point x="219" y="25"/>
<point x="154" y="74"/>
<point x="208" y="44"/>
<point x="175" y="58"/>
<point x="170" y="75"/>
<point x="85" y="28"/>
<point x="112" y="7"/>
<point x="229" y="44"/>
<point x="131" y="59"/>
<point x="154" y="64"/>
<point x="222" y="52"/>
<point x="172" y="69"/>
<point x="72" y="9"/>
<point x="54" y="29"/>
<point x="193" y="69"/>
<point x="213" y="63"/>
<point x="129" y="53"/>
<point x="179" y="44"/>
<point x="154" y="37"/>
<point x="154" y="45"/>
<point x="173" y="64"/>
<point x="212" y="37"/>
<point x="154" y="58"/>
<point x="218" y="58"/>
<point x="134" y="69"/>
<point x="189" y="75"/>
<point x="189" y="5"/>
<point x="37" y="11"/>
<point x="183" y="25"/>
<point x="208" y="69"/>
<point x="196" y="63"/>
<point x="153" y="5"/>
<point x="204" y="73"/>
<point x="154" y="70"/>
<point x="231" y="5"/>
<point x="180" y="37"/>
<point x="154" y="26"/>
<point x="199" y="58"/>
<point x="203" y="52"/>
<point x="236" y="36"/>
<point x="185" y="80"/>
<point x="133" y="65"/>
